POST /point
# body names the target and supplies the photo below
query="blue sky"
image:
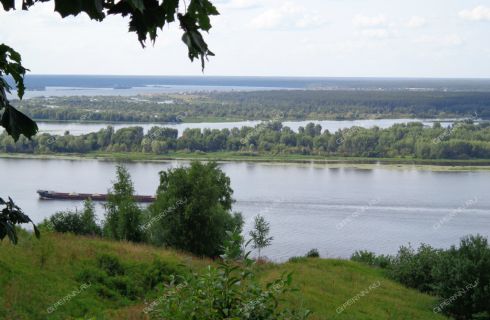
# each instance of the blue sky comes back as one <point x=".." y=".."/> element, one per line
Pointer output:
<point x="382" y="38"/>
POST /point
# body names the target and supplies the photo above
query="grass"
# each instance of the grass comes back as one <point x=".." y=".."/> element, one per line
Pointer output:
<point x="37" y="273"/>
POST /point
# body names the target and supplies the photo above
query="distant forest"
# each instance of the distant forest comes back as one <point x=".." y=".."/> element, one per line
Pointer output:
<point x="464" y="140"/>
<point x="277" y="105"/>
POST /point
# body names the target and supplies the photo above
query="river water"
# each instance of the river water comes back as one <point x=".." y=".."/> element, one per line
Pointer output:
<point x="335" y="209"/>
<point x="74" y="128"/>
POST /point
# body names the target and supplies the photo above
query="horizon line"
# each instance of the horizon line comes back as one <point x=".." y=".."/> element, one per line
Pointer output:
<point x="275" y="76"/>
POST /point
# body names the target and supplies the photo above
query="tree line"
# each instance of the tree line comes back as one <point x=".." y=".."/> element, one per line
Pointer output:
<point x="262" y="105"/>
<point x="462" y="140"/>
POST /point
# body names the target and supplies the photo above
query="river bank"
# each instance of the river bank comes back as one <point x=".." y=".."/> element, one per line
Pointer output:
<point x="358" y="162"/>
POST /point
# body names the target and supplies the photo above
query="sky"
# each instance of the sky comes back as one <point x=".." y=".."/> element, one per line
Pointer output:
<point x="327" y="38"/>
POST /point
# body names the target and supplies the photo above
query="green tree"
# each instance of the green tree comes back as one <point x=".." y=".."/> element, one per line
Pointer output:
<point x="192" y="211"/>
<point x="88" y="218"/>
<point x="260" y="234"/>
<point x="123" y="216"/>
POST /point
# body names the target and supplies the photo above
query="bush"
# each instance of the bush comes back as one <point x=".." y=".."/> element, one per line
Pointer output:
<point x="112" y="278"/>
<point x="83" y="223"/>
<point x="313" y="253"/>
<point x="459" y="276"/>
<point x="159" y="272"/>
<point x="229" y="291"/>
<point x="297" y="259"/>
<point x="364" y="256"/>
<point x="371" y="259"/>
<point x="462" y="277"/>
<point x="414" y="269"/>
<point x="110" y="264"/>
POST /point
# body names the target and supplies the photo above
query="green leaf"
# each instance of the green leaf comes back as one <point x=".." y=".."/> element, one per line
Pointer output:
<point x="170" y="8"/>
<point x="94" y="8"/>
<point x="8" y="4"/>
<point x="197" y="47"/>
<point x="137" y="4"/>
<point x="11" y="64"/>
<point x="17" y="123"/>
<point x="36" y="231"/>
<point x="201" y="10"/>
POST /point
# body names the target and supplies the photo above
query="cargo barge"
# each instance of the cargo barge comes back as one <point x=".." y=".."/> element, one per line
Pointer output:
<point x="52" y="195"/>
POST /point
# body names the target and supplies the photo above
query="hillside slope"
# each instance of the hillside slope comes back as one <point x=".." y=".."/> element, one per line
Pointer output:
<point x="114" y="280"/>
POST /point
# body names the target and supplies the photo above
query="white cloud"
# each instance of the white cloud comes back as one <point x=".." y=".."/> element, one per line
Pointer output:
<point x="451" y="40"/>
<point x="376" y="33"/>
<point x="377" y="27"/>
<point x="416" y="22"/>
<point x="362" y="21"/>
<point x="286" y="16"/>
<point x="239" y="4"/>
<point x="480" y="13"/>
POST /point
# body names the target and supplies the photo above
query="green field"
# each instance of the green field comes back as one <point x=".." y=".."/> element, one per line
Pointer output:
<point x="35" y="274"/>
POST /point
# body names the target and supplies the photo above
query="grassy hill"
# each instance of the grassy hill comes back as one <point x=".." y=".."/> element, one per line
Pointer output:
<point x="115" y="280"/>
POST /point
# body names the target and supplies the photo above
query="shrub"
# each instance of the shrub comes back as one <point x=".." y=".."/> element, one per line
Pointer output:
<point x="65" y="221"/>
<point x="110" y="264"/>
<point x="229" y="291"/>
<point x="459" y="276"/>
<point x="364" y="256"/>
<point x="462" y="277"/>
<point x="159" y="272"/>
<point x="297" y="259"/>
<point x="91" y="275"/>
<point x="83" y="223"/>
<point x="371" y="259"/>
<point x="112" y="278"/>
<point x="414" y="269"/>
<point x="313" y="253"/>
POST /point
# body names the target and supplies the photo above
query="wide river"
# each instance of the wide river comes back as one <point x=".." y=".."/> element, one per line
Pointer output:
<point x="332" y="125"/>
<point x="335" y="209"/>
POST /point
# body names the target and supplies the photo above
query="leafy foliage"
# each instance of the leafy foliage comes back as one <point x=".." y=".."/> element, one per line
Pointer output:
<point x="460" y="276"/>
<point x="229" y="291"/>
<point x="10" y="216"/>
<point x="14" y="122"/>
<point x="313" y="253"/>
<point x="414" y="268"/>
<point x="411" y="141"/>
<point x="192" y="211"/>
<point x="123" y="215"/>
<point x="114" y="280"/>
<point x="260" y="234"/>
<point x="81" y="223"/>
<point x="146" y="17"/>
<point x="370" y="258"/>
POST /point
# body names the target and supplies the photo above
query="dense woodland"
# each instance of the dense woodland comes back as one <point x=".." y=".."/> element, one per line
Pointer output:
<point x="464" y="140"/>
<point x="262" y="105"/>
